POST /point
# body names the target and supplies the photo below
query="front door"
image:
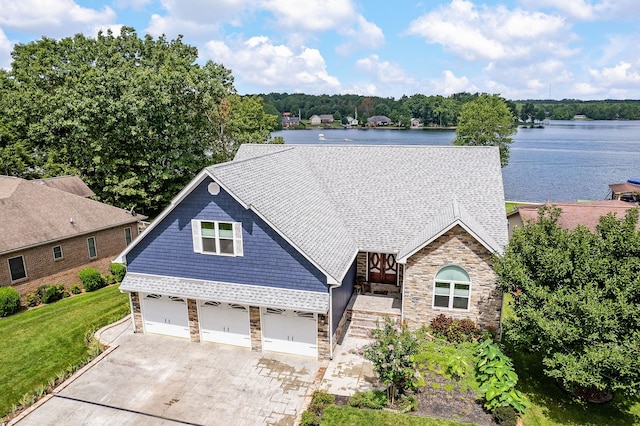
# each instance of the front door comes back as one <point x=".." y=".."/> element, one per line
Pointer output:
<point x="383" y="268"/>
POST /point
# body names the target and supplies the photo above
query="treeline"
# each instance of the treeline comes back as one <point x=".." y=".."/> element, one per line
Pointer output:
<point x="442" y="111"/>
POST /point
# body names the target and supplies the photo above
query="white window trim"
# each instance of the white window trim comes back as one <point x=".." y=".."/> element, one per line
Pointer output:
<point x="126" y="243"/>
<point x="451" y="295"/>
<point x="95" y="247"/>
<point x="197" y="238"/>
<point x="53" y="249"/>
<point x="24" y="266"/>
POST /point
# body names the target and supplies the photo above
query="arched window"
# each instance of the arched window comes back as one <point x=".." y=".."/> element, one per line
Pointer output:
<point x="452" y="288"/>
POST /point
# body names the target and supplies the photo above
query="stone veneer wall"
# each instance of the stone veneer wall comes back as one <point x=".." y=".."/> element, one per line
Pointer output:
<point x="324" y="347"/>
<point x="136" y="312"/>
<point x="455" y="247"/>
<point x="256" y="328"/>
<point x="194" y="324"/>
<point x="361" y="268"/>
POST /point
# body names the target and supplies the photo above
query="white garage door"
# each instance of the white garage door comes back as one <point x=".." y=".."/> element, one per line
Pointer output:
<point x="226" y="323"/>
<point x="165" y="315"/>
<point x="292" y="332"/>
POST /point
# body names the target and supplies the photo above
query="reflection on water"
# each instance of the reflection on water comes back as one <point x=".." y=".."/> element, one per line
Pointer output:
<point x="565" y="161"/>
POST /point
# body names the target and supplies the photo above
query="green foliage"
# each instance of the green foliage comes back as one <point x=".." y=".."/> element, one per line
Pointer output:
<point x="454" y="361"/>
<point x="486" y="121"/>
<point x="134" y="117"/>
<point x="374" y="399"/>
<point x="109" y="279"/>
<point x="498" y="378"/>
<point x="319" y="400"/>
<point x="575" y="300"/>
<point x="118" y="270"/>
<point x="91" y="279"/>
<point x="455" y="330"/>
<point x="390" y="352"/>
<point x="309" y="418"/>
<point x="53" y="293"/>
<point x="9" y="301"/>
<point x="75" y="289"/>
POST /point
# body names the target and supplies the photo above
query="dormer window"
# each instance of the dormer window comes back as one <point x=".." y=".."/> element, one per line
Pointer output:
<point x="217" y="237"/>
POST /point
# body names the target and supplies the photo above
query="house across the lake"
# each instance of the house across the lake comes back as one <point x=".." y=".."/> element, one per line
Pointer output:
<point x="271" y="250"/>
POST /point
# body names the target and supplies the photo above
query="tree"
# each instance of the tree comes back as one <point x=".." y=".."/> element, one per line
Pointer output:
<point x="130" y="115"/>
<point x="576" y="300"/>
<point x="486" y="121"/>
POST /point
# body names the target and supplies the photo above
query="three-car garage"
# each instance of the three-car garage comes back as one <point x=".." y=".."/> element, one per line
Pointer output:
<point x="282" y="330"/>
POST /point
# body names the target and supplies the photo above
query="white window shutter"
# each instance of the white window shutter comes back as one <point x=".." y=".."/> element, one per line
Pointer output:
<point x="196" y="235"/>
<point x="237" y="239"/>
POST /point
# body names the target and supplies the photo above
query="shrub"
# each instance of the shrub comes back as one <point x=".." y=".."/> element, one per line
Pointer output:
<point x="118" y="270"/>
<point x="75" y="289"/>
<point x="454" y="330"/>
<point x="53" y="293"/>
<point x="91" y="279"/>
<point x="375" y="399"/>
<point x="505" y="416"/>
<point x="309" y="418"/>
<point x="498" y="379"/>
<point x="9" y="301"/>
<point x="320" y="400"/>
<point x="109" y="279"/>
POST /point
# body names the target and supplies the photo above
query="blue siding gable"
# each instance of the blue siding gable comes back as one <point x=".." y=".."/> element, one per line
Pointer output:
<point x="269" y="260"/>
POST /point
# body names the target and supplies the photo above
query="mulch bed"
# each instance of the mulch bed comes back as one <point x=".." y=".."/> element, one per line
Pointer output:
<point x="434" y="400"/>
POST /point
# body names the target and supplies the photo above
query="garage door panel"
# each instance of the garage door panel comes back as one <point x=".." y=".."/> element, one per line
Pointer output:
<point x="288" y="331"/>
<point x="225" y="323"/>
<point x="165" y="315"/>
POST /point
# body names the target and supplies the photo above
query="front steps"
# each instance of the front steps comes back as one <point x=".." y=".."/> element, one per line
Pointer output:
<point x="363" y="321"/>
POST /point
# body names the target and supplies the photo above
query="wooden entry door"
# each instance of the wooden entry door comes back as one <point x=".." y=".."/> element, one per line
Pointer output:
<point x="383" y="268"/>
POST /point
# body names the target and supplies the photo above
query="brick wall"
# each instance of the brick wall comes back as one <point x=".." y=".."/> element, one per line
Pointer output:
<point x="40" y="264"/>
<point x="455" y="247"/>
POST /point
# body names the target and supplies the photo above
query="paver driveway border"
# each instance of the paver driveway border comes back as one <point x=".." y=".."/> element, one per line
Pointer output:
<point x="148" y="380"/>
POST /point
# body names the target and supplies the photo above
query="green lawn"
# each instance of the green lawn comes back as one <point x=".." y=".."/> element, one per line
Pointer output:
<point x="38" y="344"/>
<point x="345" y="416"/>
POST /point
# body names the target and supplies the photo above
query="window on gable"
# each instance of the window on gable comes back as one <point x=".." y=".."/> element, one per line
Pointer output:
<point x="17" y="269"/>
<point x="214" y="237"/>
<point x="452" y="288"/>
<point x="127" y="236"/>
<point x="91" y="244"/>
<point x="57" y="252"/>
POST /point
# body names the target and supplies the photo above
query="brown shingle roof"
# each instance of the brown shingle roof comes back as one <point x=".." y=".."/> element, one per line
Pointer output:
<point x="33" y="214"/>
<point x="624" y="188"/>
<point x="574" y="214"/>
<point x="72" y="184"/>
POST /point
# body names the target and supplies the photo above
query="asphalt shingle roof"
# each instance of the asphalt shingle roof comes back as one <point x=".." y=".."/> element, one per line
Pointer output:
<point x="332" y="201"/>
<point x="32" y="213"/>
<point x="227" y="292"/>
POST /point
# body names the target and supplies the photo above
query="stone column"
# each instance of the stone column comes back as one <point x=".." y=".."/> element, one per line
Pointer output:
<point x="256" y="328"/>
<point x="194" y="323"/>
<point x="136" y="311"/>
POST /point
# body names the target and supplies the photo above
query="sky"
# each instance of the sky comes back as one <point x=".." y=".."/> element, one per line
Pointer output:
<point x="520" y="49"/>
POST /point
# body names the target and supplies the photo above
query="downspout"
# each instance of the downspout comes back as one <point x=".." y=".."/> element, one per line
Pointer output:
<point x="404" y="274"/>
<point x="133" y="319"/>
<point x="331" y="322"/>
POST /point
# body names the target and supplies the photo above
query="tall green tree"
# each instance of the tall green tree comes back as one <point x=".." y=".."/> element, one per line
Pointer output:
<point x="576" y="300"/>
<point x="130" y="115"/>
<point x="486" y="121"/>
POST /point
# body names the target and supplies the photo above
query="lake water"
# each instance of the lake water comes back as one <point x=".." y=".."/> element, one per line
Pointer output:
<point x="564" y="161"/>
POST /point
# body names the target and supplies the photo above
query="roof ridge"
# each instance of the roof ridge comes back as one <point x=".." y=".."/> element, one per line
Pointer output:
<point x="244" y="160"/>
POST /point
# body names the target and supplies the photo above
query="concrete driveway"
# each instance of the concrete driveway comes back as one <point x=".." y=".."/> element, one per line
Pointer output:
<point x="157" y="380"/>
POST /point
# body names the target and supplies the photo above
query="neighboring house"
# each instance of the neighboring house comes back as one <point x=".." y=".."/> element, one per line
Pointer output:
<point x="314" y="120"/>
<point x="352" y="121"/>
<point x="379" y="120"/>
<point x="289" y="121"/>
<point x="263" y="251"/>
<point x="627" y="191"/>
<point x="586" y="213"/>
<point x="46" y="230"/>
<point x="326" y="118"/>
<point x="416" y="123"/>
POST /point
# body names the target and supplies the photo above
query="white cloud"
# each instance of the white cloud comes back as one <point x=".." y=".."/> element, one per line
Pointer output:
<point x="132" y="4"/>
<point x="5" y="51"/>
<point x="622" y="74"/>
<point x="365" y="35"/>
<point x="258" y="61"/>
<point x="450" y="84"/>
<point x="58" y="18"/>
<point x="383" y="71"/>
<point x="490" y="33"/>
<point x="311" y="15"/>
